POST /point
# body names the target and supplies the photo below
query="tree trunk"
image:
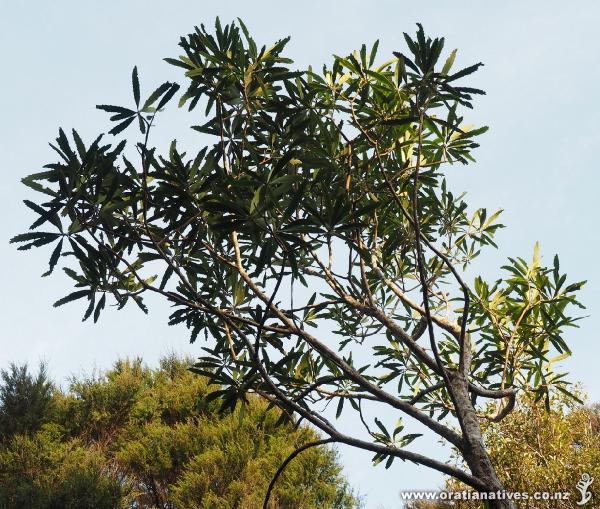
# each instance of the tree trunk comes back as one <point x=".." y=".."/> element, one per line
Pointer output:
<point x="474" y="452"/>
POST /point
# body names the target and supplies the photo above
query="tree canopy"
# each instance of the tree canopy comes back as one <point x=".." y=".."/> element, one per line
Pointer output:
<point x="136" y="437"/>
<point x="24" y="399"/>
<point x="312" y="240"/>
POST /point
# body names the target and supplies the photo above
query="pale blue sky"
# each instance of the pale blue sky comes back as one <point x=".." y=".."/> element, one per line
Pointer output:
<point x="542" y="76"/>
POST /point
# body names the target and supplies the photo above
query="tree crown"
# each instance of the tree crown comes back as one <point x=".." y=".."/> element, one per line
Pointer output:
<point x="315" y="225"/>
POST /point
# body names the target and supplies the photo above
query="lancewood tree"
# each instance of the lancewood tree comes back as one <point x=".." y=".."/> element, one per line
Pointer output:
<point x="313" y="242"/>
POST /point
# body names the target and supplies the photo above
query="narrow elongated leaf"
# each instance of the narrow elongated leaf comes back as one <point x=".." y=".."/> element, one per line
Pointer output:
<point x="464" y="72"/>
<point x="135" y="82"/>
<point x="122" y="126"/>
<point x="168" y="95"/>
<point x="156" y="94"/>
<point x="54" y="257"/>
<point x="71" y="297"/>
<point x="448" y="63"/>
<point x="115" y="109"/>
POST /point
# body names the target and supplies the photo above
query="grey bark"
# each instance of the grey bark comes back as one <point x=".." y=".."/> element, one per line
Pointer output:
<point x="474" y="451"/>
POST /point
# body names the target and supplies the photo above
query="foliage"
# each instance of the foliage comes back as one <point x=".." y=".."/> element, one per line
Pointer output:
<point x="44" y="471"/>
<point x="330" y="181"/>
<point x="140" y="437"/>
<point x="24" y="400"/>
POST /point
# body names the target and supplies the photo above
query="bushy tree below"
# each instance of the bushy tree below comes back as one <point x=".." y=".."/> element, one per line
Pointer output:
<point x="24" y="399"/>
<point x="150" y="438"/>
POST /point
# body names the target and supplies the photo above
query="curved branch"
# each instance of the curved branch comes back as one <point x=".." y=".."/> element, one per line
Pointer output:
<point x="504" y="411"/>
<point x="492" y="393"/>
<point x="287" y="461"/>
<point x="479" y="391"/>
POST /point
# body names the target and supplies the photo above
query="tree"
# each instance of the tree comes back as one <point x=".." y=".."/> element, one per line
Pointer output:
<point x="136" y="437"/>
<point x="24" y="400"/>
<point x="333" y="182"/>
<point x="536" y="451"/>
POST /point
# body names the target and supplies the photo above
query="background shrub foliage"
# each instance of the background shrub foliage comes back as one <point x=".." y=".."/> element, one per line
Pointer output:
<point x="141" y="437"/>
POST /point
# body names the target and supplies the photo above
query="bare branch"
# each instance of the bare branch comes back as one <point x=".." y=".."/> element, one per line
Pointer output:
<point x="287" y="461"/>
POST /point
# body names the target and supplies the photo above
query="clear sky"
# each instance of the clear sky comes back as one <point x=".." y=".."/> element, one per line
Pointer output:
<point x="59" y="59"/>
